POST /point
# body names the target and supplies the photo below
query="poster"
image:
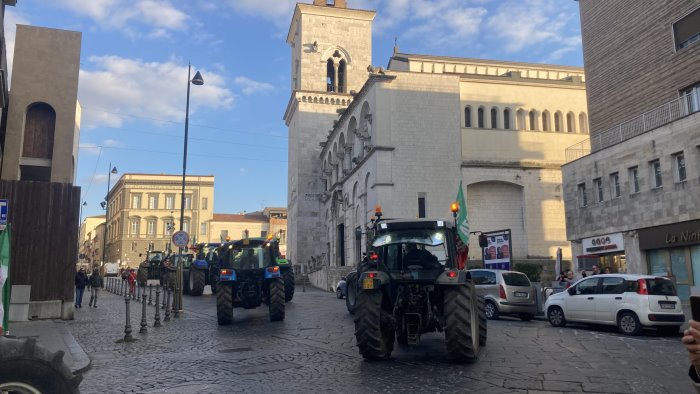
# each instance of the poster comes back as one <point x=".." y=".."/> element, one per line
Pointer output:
<point x="497" y="253"/>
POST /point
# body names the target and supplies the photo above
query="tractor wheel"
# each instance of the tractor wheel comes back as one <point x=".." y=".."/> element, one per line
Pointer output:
<point x="288" y="276"/>
<point x="351" y="292"/>
<point x="214" y="282"/>
<point x="375" y="340"/>
<point x="197" y="282"/>
<point x="28" y="368"/>
<point x="224" y="304"/>
<point x="483" y="328"/>
<point x="461" y="322"/>
<point x="276" y="300"/>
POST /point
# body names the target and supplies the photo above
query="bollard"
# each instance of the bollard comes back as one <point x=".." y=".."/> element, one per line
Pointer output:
<point x="123" y="289"/>
<point x="127" y="329"/>
<point x="110" y="285"/>
<point x="167" y="305"/>
<point x="133" y="292"/>
<point x="150" y="294"/>
<point x="138" y="292"/>
<point x="164" y="290"/>
<point x="144" y="323"/>
<point x="156" y="323"/>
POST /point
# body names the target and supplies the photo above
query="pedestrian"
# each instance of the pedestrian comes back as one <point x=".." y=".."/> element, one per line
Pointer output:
<point x="607" y="270"/>
<point x="80" y="283"/>
<point x="583" y="274"/>
<point x="95" y="284"/>
<point x="132" y="280"/>
<point x="596" y="270"/>
<point x="691" y="339"/>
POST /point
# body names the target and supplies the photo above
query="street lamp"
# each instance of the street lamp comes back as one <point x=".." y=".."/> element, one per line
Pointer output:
<point x="105" y="205"/>
<point x="197" y="80"/>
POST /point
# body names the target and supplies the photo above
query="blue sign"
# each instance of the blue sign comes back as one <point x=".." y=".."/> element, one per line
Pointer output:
<point x="3" y="213"/>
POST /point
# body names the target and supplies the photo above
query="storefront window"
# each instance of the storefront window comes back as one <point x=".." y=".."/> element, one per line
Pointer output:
<point x="679" y="270"/>
<point x="657" y="262"/>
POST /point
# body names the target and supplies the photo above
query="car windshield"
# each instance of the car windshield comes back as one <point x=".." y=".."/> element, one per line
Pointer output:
<point x="515" y="279"/>
<point x="421" y="237"/>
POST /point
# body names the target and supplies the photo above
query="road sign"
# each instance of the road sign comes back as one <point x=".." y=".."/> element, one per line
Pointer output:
<point x="3" y="214"/>
<point x="181" y="239"/>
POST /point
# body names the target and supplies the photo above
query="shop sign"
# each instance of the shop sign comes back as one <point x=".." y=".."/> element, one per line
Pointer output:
<point x="604" y="244"/>
<point x="670" y="236"/>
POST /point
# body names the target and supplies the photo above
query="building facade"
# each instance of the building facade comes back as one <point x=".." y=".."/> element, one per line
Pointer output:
<point x="407" y="136"/>
<point x="90" y="246"/>
<point x="631" y="199"/>
<point x="144" y="209"/>
<point x="271" y="221"/>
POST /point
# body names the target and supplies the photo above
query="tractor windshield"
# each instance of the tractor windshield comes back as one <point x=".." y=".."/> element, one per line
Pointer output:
<point x="402" y="250"/>
<point x="251" y="258"/>
<point x="422" y="237"/>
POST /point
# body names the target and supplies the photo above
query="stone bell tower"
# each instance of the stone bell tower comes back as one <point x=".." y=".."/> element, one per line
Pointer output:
<point x="331" y="49"/>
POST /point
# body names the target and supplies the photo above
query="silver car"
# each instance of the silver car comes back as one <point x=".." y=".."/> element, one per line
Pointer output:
<point x="505" y="293"/>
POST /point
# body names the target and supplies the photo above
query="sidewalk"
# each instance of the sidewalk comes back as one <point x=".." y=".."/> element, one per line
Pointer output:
<point x="54" y="336"/>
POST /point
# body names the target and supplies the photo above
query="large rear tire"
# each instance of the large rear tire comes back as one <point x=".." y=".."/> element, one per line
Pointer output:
<point x="197" y="280"/>
<point x="224" y="304"/>
<point x="276" y="300"/>
<point x="351" y="292"/>
<point x="26" y="367"/>
<point x="374" y="339"/>
<point x="483" y="327"/>
<point x="461" y="322"/>
<point x="288" y="275"/>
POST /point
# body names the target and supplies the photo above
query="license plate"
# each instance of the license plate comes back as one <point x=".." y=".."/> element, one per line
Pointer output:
<point x="520" y="294"/>
<point x="667" y="305"/>
<point x="368" y="283"/>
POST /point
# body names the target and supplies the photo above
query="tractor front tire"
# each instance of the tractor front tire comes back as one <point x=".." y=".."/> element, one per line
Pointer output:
<point x="375" y="341"/>
<point x="351" y="292"/>
<point x="461" y="322"/>
<point x="224" y="304"/>
<point x="276" y="303"/>
<point x="198" y="280"/>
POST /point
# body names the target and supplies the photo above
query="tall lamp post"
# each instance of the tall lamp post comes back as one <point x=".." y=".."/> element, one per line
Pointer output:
<point x="105" y="205"/>
<point x="197" y="80"/>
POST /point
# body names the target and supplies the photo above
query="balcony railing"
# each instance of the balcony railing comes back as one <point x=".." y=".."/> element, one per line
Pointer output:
<point x="650" y="120"/>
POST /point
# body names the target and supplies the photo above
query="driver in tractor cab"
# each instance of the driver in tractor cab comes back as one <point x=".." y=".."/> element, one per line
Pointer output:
<point x="248" y="259"/>
<point x="420" y="257"/>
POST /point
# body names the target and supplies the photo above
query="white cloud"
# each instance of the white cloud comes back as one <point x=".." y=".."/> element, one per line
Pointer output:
<point x="116" y="86"/>
<point x="12" y="19"/>
<point x="248" y="86"/>
<point x="159" y="15"/>
<point x="529" y="23"/>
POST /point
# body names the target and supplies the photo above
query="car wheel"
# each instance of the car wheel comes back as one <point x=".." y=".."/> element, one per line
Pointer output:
<point x="629" y="324"/>
<point x="491" y="310"/>
<point x="556" y="317"/>
<point x="339" y="293"/>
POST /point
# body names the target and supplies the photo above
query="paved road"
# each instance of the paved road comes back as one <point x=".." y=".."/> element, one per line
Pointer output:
<point x="313" y="350"/>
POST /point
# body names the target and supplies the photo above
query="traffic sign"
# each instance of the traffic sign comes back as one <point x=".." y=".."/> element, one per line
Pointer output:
<point x="3" y="214"/>
<point x="181" y="239"/>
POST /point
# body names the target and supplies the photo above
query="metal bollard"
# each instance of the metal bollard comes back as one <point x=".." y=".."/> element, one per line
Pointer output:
<point x="133" y="292"/>
<point x="138" y="292"/>
<point x="144" y="323"/>
<point x="164" y="290"/>
<point x="156" y="323"/>
<point x="150" y="294"/>
<point x="127" y="329"/>
<point x="167" y="304"/>
<point x="123" y="291"/>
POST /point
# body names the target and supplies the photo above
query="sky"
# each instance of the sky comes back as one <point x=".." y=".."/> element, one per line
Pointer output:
<point x="133" y="77"/>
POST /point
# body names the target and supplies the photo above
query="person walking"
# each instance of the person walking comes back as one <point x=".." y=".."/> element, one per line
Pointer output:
<point x="132" y="281"/>
<point x="96" y="283"/>
<point x="80" y="282"/>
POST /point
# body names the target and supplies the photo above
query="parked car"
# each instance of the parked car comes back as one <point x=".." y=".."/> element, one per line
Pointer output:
<point x="341" y="289"/>
<point x="505" y="293"/>
<point x="630" y="302"/>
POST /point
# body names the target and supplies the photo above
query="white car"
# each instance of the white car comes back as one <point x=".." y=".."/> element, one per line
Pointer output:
<point x="630" y="302"/>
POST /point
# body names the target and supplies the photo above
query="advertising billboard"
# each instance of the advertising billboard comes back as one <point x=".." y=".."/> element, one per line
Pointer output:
<point x="497" y="255"/>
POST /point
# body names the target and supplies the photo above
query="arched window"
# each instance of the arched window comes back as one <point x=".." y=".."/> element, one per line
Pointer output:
<point x="557" y="121"/>
<point x="330" y="76"/>
<point x="494" y="118"/>
<point x="506" y="119"/>
<point x="570" y="123"/>
<point x="521" y="120"/>
<point x="468" y="116"/>
<point x="545" y="121"/>
<point x="480" y="116"/>
<point x="342" y="77"/>
<point x="583" y="123"/>
<point x="533" y="120"/>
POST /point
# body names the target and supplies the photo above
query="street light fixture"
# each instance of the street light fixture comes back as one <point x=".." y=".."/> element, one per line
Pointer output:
<point x="105" y="205"/>
<point x="197" y="80"/>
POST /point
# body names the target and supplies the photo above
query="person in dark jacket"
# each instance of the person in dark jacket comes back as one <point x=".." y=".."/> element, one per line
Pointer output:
<point x="95" y="284"/>
<point x="80" y="282"/>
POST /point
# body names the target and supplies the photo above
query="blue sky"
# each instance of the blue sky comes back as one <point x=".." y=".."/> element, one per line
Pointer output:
<point x="133" y="77"/>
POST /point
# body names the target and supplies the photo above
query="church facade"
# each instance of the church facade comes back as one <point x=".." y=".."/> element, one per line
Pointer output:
<point x="406" y="136"/>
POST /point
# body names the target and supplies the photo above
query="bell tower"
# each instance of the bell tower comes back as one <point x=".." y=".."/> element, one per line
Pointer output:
<point x="331" y="49"/>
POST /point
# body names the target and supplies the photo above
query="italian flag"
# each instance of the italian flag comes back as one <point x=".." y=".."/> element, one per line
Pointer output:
<point x="4" y="278"/>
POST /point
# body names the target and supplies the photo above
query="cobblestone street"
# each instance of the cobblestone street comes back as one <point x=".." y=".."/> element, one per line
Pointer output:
<point x="313" y="350"/>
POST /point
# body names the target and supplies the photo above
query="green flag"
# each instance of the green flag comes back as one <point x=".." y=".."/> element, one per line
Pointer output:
<point x="462" y="217"/>
<point x="4" y="278"/>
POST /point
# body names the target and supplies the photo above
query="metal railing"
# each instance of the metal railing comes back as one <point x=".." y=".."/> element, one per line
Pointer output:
<point x="650" y="120"/>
